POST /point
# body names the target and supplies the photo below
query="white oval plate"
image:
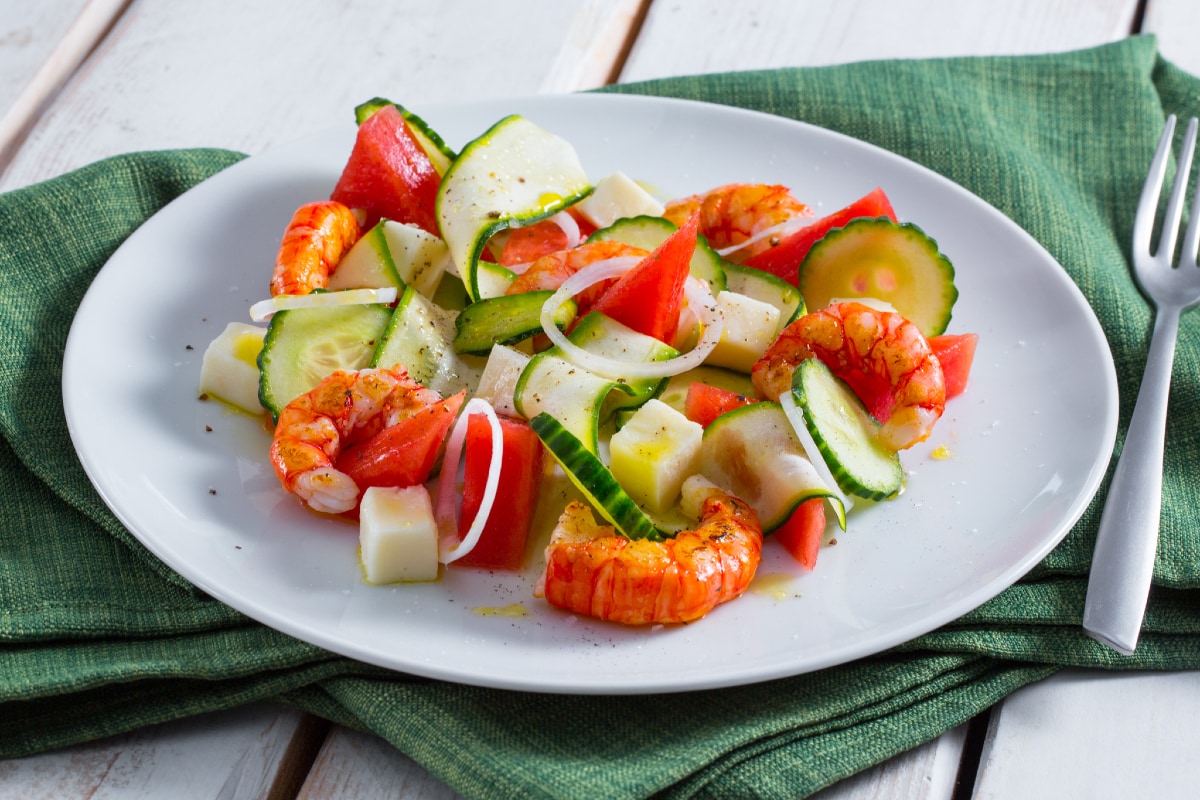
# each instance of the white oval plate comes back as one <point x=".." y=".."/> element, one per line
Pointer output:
<point x="1029" y="440"/>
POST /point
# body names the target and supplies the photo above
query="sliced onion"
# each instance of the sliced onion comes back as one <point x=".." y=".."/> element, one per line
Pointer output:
<point x="782" y="230"/>
<point x="569" y="226"/>
<point x="699" y="299"/>
<point x="449" y="548"/>
<point x="796" y="417"/>
<point x="264" y="309"/>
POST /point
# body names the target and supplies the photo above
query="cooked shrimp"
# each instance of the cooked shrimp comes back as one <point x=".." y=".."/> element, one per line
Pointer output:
<point x="592" y="570"/>
<point x="315" y="240"/>
<point x="342" y="408"/>
<point x="742" y="219"/>
<point x="882" y="356"/>
<point x="549" y="272"/>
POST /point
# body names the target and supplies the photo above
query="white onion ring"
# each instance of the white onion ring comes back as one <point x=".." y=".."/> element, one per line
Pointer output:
<point x="264" y="309"/>
<point x="783" y="229"/>
<point x="699" y="299"/>
<point x="796" y="417"/>
<point x="569" y="226"/>
<point x="449" y="548"/>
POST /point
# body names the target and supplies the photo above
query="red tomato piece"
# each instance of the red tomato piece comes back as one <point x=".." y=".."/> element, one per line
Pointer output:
<point x="801" y="534"/>
<point x="502" y="543"/>
<point x="389" y="175"/>
<point x="705" y="403"/>
<point x="528" y="244"/>
<point x="783" y="260"/>
<point x="649" y="297"/>
<point x="402" y="454"/>
<point x="956" y="352"/>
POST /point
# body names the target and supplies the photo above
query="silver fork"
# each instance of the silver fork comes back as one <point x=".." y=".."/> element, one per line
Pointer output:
<point x="1123" y="561"/>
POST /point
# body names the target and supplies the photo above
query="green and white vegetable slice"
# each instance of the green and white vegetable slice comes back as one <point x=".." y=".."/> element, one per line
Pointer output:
<point x="507" y="319"/>
<point x="594" y="479"/>
<point x="513" y="174"/>
<point x="393" y="254"/>
<point x="304" y="345"/>
<point x="845" y="434"/>
<point x="752" y="453"/>
<point x="766" y="288"/>
<point x="890" y="261"/>
<point x="434" y="146"/>
<point x="420" y="337"/>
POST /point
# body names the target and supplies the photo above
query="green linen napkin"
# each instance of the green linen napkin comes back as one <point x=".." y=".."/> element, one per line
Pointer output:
<point x="97" y="637"/>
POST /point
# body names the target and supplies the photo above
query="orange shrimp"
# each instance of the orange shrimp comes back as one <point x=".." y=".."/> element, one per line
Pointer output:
<point x="342" y="408"/>
<point x="882" y="356"/>
<point x="318" y="236"/>
<point x="741" y="219"/>
<point x="592" y="570"/>
<point x="549" y="272"/>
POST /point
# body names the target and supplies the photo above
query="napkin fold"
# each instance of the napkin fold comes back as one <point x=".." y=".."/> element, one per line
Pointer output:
<point x="98" y="637"/>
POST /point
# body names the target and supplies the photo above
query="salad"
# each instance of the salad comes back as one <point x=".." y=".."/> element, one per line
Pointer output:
<point x="451" y="332"/>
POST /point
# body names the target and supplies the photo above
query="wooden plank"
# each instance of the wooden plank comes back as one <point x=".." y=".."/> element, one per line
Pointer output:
<point x="359" y="766"/>
<point x="927" y="772"/>
<point x="254" y="751"/>
<point x="1086" y="734"/>
<point x="777" y="33"/>
<point x="287" y="68"/>
<point x="41" y="45"/>
<point x="1176" y="23"/>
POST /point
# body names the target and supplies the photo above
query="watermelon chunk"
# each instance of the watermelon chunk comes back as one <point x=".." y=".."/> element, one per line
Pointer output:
<point x="389" y="175"/>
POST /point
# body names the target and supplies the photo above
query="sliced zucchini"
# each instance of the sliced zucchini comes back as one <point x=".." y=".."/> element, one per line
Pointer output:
<point x="513" y="174"/>
<point x="649" y="232"/>
<point x="752" y="453"/>
<point x="890" y="261"/>
<point x="393" y="254"/>
<point x="766" y="288"/>
<point x="593" y="479"/>
<point x="506" y="319"/>
<point x="438" y="151"/>
<point x="303" y="345"/>
<point x="846" y="435"/>
<point x="419" y="336"/>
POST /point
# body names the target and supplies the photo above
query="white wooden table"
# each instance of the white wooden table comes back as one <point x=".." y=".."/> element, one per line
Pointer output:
<point x="85" y="79"/>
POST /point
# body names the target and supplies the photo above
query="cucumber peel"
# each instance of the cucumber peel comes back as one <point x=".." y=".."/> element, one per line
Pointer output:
<point x="434" y="146"/>
<point x="513" y="174"/>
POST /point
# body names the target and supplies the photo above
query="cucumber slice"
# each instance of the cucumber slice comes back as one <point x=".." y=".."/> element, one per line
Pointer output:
<point x="846" y="435"/>
<point x="766" y="288"/>
<point x="303" y="345"/>
<point x="890" y="261"/>
<point x="438" y="151"/>
<point x="393" y="254"/>
<point x="752" y="453"/>
<point x="649" y="232"/>
<point x="507" y="319"/>
<point x="513" y="174"/>
<point x="594" y="480"/>
<point x="419" y="336"/>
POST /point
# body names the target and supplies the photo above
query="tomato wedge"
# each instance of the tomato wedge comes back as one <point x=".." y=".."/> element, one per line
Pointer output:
<point x="403" y="454"/>
<point x="784" y="259"/>
<point x="502" y="543"/>
<point x="801" y="534"/>
<point x="649" y="297"/>
<point x="704" y="403"/>
<point x="955" y="352"/>
<point x="389" y="175"/>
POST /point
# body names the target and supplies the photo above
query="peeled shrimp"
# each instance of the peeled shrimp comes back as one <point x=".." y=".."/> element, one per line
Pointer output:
<point x="742" y="219"/>
<point x="549" y="271"/>
<point x="882" y="356"/>
<point x="342" y="408"/>
<point x="318" y="236"/>
<point x="592" y="570"/>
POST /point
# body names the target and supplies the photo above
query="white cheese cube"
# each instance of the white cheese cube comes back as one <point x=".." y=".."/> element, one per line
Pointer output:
<point x="750" y="327"/>
<point x="398" y="535"/>
<point x="654" y="453"/>
<point x="616" y="197"/>
<point x="499" y="379"/>
<point x="229" y="370"/>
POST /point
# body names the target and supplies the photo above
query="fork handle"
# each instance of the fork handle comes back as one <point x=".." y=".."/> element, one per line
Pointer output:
<point x="1123" y="561"/>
